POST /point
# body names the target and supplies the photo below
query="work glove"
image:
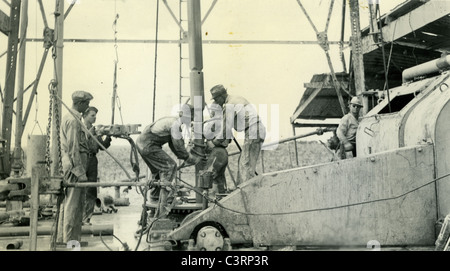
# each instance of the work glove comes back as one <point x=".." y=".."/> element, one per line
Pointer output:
<point x="192" y="160"/>
<point x="221" y="143"/>
<point x="82" y="178"/>
<point x="348" y="146"/>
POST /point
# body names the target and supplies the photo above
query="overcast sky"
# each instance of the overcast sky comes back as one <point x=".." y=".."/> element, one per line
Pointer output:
<point x="271" y="75"/>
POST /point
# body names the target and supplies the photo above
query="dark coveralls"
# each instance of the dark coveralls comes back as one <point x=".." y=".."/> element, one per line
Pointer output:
<point x="218" y="155"/>
<point x="92" y="173"/>
<point x="149" y="145"/>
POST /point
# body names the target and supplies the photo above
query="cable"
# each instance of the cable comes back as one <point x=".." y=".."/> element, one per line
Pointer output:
<point x="101" y="238"/>
<point x="116" y="61"/>
<point x="414" y="33"/>
<point x="143" y="216"/>
<point x="326" y="208"/>
<point x="386" y="80"/>
<point x="156" y="57"/>
<point x="390" y="54"/>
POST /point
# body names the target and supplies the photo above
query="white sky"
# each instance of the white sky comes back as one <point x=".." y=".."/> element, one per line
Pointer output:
<point x="264" y="74"/>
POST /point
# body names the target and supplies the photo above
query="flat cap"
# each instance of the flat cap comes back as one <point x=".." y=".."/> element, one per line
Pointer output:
<point x="80" y="96"/>
<point x="218" y="90"/>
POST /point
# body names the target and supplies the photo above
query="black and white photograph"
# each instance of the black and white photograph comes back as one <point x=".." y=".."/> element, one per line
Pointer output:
<point x="250" y="127"/>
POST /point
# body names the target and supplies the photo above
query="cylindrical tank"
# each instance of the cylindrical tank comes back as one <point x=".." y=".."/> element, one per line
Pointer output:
<point x="419" y="116"/>
<point x="35" y="151"/>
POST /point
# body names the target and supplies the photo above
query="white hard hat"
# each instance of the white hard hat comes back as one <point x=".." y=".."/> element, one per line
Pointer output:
<point x="356" y="100"/>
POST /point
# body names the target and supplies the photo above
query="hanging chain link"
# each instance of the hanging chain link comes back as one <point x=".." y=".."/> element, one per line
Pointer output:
<point x="58" y="135"/>
<point x="52" y="87"/>
<point x="47" y="149"/>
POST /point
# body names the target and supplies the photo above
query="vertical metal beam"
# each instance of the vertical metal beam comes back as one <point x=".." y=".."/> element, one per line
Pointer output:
<point x="295" y="144"/>
<point x="180" y="68"/>
<point x="17" y="163"/>
<point x="36" y="172"/>
<point x="341" y="41"/>
<point x="58" y="74"/>
<point x="357" y="53"/>
<point x="8" y="99"/>
<point x="196" y="77"/>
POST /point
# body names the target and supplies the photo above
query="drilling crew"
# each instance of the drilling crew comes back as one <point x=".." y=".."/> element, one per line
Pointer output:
<point x="149" y="144"/>
<point x="346" y="131"/>
<point x="89" y="117"/>
<point x="75" y="150"/>
<point x="239" y="114"/>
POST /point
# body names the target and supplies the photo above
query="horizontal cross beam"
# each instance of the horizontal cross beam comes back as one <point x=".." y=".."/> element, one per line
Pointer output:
<point x="286" y="42"/>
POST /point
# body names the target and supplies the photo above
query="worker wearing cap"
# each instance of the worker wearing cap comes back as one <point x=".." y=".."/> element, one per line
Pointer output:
<point x="346" y="131"/>
<point x="74" y="147"/>
<point x="149" y="145"/>
<point x="239" y="114"/>
<point x="89" y="117"/>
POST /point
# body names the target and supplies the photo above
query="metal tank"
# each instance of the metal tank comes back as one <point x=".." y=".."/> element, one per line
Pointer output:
<point x="420" y="115"/>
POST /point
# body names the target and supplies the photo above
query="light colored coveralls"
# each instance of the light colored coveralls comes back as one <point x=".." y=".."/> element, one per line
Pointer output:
<point x="245" y="119"/>
<point x="74" y="149"/>
<point x="346" y="131"/>
<point x="149" y="145"/>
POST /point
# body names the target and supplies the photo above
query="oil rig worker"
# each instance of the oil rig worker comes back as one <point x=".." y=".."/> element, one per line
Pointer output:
<point x="216" y="151"/>
<point x="346" y="131"/>
<point x="75" y="150"/>
<point x="149" y="145"/>
<point x="89" y="117"/>
<point x="239" y="114"/>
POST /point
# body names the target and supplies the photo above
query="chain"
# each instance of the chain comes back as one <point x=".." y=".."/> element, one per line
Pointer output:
<point x="58" y="135"/>
<point x="50" y="109"/>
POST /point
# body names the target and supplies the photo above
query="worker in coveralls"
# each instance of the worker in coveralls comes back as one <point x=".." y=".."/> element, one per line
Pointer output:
<point x="239" y="114"/>
<point x="346" y="131"/>
<point x="75" y="150"/>
<point x="89" y="117"/>
<point x="217" y="157"/>
<point x="149" y="144"/>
